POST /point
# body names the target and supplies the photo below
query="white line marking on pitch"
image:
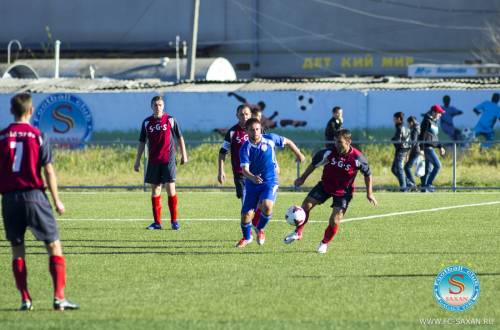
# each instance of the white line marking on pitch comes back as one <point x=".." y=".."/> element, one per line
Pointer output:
<point x="419" y="211"/>
<point x="437" y="209"/>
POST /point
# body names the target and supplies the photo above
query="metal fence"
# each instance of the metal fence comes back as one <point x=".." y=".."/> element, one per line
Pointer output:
<point x="455" y="166"/>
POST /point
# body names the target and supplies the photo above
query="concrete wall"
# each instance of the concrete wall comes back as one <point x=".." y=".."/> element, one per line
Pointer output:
<point x="206" y="111"/>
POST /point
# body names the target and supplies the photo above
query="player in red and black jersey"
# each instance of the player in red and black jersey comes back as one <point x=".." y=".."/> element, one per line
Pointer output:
<point x="233" y="140"/>
<point x="159" y="132"/>
<point x="24" y="152"/>
<point x="341" y="165"/>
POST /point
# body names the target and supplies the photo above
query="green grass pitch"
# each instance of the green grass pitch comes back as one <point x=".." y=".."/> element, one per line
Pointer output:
<point x="377" y="274"/>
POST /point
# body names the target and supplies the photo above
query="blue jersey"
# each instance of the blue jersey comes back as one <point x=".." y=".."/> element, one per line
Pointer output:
<point x="490" y="112"/>
<point x="261" y="157"/>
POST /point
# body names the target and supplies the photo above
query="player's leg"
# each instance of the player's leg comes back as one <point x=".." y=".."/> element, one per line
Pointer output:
<point x="316" y="196"/>
<point x="172" y="205"/>
<point x="239" y="184"/>
<point x="250" y="201"/>
<point x="267" y="199"/>
<point x="43" y="226"/>
<point x="307" y="205"/>
<point x="20" y="273"/>
<point x="14" y="221"/>
<point x="339" y="207"/>
<point x="156" y="206"/>
<point x="153" y="177"/>
<point x="57" y="268"/>
<point x="168" y="177"/>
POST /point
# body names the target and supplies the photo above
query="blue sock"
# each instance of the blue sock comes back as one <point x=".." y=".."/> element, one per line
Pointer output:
<point x="246" y="228"/>
<point x="264" y="219"/>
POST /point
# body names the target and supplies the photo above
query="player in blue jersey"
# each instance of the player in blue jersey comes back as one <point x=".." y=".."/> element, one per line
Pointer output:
<point x="258" y="161"/>
<point x="490" y="113"/>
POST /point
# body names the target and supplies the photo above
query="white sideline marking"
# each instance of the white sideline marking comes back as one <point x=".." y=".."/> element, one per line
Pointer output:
<point x="419" y="211"/>
<point x="437" y="209"/>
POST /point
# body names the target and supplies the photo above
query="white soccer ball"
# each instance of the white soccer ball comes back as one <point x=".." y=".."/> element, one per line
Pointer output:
<point x="305" y="102"/>
<point x="295" y="215"/>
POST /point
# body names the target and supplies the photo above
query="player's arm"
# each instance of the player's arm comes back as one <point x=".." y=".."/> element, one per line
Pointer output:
<point x="138" y="156"/>
<point x="299" y="156"/>
<point x="302" y="179"/>
<point x="182" y="145"/>
<point x="221" y="175"/>
<point x="249" y="175"/>
<point x="369" y="190"/>
<point x="224" y="149"/>
<point x="180" y="142"/>
<point x="140" y="147"/>
<point x="50" y="178"/>
<point x="318" y="159"/>
<point x="365" y="169"/>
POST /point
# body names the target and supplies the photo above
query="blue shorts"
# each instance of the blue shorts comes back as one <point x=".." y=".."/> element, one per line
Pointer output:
<point x="256" y="193"/>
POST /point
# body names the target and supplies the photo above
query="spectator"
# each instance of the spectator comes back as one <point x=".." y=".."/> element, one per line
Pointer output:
<point x="401" y="144"/>
<point x="414" y="152"/>
<point x="429" y="140"/>
<point x="333" y="126"/>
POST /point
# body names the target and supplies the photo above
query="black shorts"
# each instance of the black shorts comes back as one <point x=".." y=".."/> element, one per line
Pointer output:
<point x="160" y="173"/>
<point x="29" y="208"/>
<point x="239" y="184"/>
<point x="319" y="194"/>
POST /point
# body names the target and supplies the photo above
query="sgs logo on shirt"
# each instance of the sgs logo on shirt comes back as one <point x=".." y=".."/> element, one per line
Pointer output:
<point x="341" y="164"/>
<point x="241" y="140"/>
<point x="157" y="127"/>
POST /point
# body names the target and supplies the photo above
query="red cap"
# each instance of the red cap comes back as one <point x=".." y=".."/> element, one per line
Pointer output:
<point x="437" y="108"/>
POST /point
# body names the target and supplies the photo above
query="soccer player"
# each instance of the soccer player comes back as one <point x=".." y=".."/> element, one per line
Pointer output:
<point x="159" y="131"/>
<point x="233" y="140"/>
<point x="341" y="165"/>
<point x="24" y="151"/>
<point x="258" y="161"/>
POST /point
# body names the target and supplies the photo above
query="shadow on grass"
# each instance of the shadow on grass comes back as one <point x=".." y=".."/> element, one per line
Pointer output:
<point x="383" y="276"/>
<point x="432" y="252"/>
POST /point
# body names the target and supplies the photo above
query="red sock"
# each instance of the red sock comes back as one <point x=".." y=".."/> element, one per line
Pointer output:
<point x="57" y="268"/>
<point x="330" y="233"/>
<point x="21" y="277"/>
<point x="256" y="217"/>
<point x="300" y="228"/>
<point x="156" y="205"/>
<point x="172" y="206"/>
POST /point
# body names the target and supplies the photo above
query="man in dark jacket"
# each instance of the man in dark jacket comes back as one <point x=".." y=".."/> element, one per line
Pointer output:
<point x="429" y="138"/>
<point x="333" y="126"/>
<point x="414" y="127"/>
<point x="401" y="145"/>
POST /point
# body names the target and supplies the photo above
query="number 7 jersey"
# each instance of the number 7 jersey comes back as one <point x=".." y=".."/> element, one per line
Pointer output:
<point x="23" y="152"/>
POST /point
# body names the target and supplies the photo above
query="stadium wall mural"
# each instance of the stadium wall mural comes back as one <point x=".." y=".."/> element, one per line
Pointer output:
<point x="204" y="111"/>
